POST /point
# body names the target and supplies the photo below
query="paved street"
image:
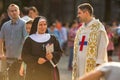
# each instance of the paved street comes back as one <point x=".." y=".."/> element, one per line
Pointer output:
<point x="64" y="73"/>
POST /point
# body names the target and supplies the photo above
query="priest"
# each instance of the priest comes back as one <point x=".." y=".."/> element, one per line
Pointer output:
<point x="90" y="46"/>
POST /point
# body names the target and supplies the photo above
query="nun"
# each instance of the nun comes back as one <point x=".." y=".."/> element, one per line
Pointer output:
<point x="41" y="52"/>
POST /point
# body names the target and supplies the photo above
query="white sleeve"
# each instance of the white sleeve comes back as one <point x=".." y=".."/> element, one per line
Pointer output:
<point x="102" y="48"/>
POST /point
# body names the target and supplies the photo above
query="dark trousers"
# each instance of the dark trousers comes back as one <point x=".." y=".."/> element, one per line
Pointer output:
<point x="13" y="71"/>
<point x="70" y="58"/>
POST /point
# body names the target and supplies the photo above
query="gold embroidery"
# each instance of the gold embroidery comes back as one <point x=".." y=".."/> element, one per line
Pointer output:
<point x="91" y="64"/>
<point x="91" y="51"/>
<point x="75" y="73"/>
<point x="92" y="48"/>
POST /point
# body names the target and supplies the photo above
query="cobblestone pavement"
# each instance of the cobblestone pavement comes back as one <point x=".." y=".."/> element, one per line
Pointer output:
<point x="64" y="73"/>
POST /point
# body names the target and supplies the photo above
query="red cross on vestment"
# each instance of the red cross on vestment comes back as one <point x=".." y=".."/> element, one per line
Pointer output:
<point x="82" y="43"/>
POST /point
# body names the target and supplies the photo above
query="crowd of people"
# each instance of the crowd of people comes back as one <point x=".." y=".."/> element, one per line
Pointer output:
<point x="33" y="48"/>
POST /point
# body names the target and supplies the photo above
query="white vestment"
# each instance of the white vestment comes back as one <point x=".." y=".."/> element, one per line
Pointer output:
<point x="90" y="48"/>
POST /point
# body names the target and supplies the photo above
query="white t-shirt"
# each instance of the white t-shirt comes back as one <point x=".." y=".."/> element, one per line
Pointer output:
<point x="111" y="70"/>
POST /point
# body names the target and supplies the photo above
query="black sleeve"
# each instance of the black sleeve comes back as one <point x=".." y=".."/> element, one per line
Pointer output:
<point x="27" y="56"/>
<point x="57" y="51"/>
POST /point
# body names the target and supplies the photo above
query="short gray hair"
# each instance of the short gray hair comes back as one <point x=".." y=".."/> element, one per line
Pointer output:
<point x="11" y="5"/>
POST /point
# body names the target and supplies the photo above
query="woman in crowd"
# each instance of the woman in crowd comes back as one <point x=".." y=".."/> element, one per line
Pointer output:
<point x="41" y="52"/>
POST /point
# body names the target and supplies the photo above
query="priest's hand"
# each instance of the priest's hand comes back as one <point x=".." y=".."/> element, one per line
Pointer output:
<point x="41" y="60"/>
<point x="49" y="56"/>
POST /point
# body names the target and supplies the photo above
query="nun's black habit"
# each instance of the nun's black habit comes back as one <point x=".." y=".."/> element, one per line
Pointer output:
<point x="34" y="48"/>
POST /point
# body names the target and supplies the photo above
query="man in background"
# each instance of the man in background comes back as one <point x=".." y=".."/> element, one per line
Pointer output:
<point x="13" y="33"/>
